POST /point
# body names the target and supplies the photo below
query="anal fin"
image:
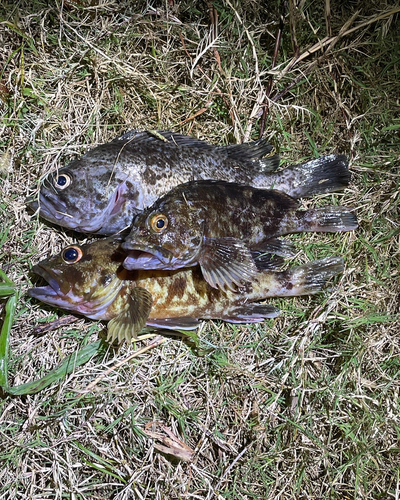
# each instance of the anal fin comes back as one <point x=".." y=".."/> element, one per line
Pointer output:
<point x="284" y="248"/>
<point x="266" y="261"/>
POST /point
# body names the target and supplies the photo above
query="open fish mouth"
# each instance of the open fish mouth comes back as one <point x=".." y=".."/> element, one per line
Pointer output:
<point x="55" y="210"/>
<point x="52" y="293"/>
<point x="52" y="208"/>
<point x="67" y="292"/>
<point x="147" y="258"/>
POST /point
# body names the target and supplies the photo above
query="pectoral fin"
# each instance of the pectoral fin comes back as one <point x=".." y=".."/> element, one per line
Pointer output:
<point x="133" y="318"/>
<point x="226" y="262"/>
<point x="251" y="313"/>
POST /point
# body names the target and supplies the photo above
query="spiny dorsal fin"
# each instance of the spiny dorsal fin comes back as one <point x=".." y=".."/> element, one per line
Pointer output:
<point x="255" y="153"/>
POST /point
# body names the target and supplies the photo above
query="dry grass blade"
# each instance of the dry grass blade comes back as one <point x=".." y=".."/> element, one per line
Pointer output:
<point x="154" y="343"/>
<point x="331" y="41"/>
<point x="209" y="41"/>
<point x="301" y="406"/>
<point x="172" y="445"/>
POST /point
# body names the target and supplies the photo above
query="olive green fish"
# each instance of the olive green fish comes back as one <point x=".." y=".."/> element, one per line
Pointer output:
<point x="90" y="280"/>
<point x="101" y="192"/>
<point x="216" y="224"/>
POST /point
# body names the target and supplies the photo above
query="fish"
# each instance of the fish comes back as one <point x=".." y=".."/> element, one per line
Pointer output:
<point x="102" y="191"/>
<point x="90" y="280"/>
<point x="217" y="224"/>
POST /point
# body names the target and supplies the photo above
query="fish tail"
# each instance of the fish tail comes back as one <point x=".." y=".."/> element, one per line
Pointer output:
<point x="327" y="219"/>
<point x="310" y="278"/>
<point x="322" y="175"/>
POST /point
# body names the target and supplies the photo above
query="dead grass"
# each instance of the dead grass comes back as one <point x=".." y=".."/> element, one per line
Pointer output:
<point x="305" y="406"/>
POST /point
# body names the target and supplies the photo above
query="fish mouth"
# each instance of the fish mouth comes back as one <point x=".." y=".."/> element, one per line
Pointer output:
<point x="140" y="257"/>
<point x="53" y="293"/>
<point x="61" y="294"/>
<point x="55" y="210"/>
<point x="52" y="208"/>
<point x="47" y="206"/>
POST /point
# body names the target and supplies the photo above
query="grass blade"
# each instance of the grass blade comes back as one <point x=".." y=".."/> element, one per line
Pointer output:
<point x="5" y="339"/>
<point x="67" y="366"/>
<point x="6" y="290"/>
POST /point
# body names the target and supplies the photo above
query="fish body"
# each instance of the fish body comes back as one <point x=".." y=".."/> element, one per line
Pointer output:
<point x="91" y="281"/>
<point x="216" y="224"/>
<point x="103" y="190"/>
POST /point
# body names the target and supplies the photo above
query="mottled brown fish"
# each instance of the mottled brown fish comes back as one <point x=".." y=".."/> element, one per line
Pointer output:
<point x="102" y="191"/>
<point x="91" y="281"/>
<point x="216" y="224"/>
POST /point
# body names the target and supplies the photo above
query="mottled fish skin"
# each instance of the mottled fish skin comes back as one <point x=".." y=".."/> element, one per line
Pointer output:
<point x="216" y="224"/>
<point x="100" y="192"/>
<point x="98" y="287"/>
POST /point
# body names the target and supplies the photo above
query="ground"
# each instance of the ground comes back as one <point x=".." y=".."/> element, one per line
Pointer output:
<point x="305" y="406"/>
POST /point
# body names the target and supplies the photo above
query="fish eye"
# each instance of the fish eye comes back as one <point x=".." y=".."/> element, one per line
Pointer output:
<point x="61" y="181"/>
<point x="71" y="255"/>
<point x="158" y="223"/>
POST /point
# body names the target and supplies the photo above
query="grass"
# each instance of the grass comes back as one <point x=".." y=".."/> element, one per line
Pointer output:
<point x="303" y="406"/>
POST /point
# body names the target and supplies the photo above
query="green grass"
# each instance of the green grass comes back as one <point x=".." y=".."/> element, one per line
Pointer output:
<point x="303" y="406"/>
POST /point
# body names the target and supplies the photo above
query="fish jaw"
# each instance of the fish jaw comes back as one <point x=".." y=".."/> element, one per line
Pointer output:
<point x="50" y="208"/>
<point x="145" y="257"/>
<point x="110" y="219"/>
<point x="60" y="293"/>
<point x="54" y="293"/>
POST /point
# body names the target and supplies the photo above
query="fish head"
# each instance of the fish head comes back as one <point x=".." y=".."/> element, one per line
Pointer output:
<point x="86" y="197"/>
<point x="168" y="235"/>
<point x="83" y="279"/>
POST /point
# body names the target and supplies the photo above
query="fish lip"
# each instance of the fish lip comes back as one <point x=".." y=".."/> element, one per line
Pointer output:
<point x="141" y="257"/>
<point x="48" y="211"/>
<point x="157" y="250"/>
<point x="53" y="287"/>
<point x="47" y="208"/>
<point x="52" y="208"/>
<point x="52" y="283"/>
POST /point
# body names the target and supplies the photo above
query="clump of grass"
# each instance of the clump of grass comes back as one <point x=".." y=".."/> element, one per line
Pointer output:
<point x="302" y="406"/>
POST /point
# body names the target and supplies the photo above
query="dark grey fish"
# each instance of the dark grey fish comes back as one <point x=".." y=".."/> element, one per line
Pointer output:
<point x="102" y="191"/>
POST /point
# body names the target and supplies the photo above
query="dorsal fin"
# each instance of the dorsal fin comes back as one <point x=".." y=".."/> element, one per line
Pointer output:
<point x="163" y="135"/>
<point x="257" y="153"/>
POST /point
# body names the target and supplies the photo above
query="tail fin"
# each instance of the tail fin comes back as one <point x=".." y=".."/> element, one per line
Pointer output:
<point x="312" y="277"/>
<point x="323" y="175"/>
<point x="327" y="219"/>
